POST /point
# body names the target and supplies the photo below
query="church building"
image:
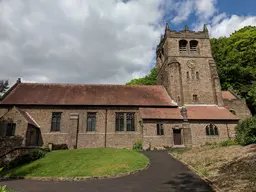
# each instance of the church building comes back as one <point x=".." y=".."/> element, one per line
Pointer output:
<point x="185" y="108"/>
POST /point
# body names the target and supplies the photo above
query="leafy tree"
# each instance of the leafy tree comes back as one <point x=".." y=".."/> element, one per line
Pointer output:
<point x="3" y="85"/>
<point x="149" y="79"/>
<point x="235" y="57"/>
<point x="246" y="131"/>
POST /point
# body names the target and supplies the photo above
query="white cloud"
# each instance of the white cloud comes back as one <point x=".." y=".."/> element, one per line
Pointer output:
<point x="183" y="10"/>
<point x="227" y="25"/>
<point x="205" y="9"/>
<point x="78" y="41"/>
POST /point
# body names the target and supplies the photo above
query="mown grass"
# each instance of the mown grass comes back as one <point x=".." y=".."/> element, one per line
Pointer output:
<point x="82" y="163"/>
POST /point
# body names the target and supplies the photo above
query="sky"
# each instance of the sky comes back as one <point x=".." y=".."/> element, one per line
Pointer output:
<point x="102" y="41"/>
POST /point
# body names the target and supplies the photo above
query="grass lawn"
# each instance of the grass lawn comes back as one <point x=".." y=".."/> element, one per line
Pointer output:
<point x="82" y="163"/>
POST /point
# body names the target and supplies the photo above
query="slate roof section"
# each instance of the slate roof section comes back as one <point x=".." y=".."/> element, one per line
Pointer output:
<point x="228" y="95"/>
<point x="82" y="94"/>
<point x="209" y="113"/>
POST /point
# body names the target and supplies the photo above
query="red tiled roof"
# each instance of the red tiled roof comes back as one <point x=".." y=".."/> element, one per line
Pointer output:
<point x="210" y="113"/>
<point x="160" y="113"/>
<point x="80" y="94"/>
<point x="228" y="95"/>
<point x="29" y="119"/>
<point x="193" y="112"/>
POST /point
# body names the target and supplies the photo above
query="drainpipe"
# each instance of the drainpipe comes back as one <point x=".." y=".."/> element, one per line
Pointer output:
<point x="227" y="130"/>
<point x="106" y="123"/>
<point x="77" y="131"/>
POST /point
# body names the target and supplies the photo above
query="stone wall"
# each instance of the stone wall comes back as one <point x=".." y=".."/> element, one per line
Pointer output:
<point x="189" y="73"/>
<point x="3" y="111"/>
<point x="67" y="133"/>
<point x="21" y="124"/>
<point x="226" y="130"/>
<point x="150" y="137"/>
<point x="239" y="107"/>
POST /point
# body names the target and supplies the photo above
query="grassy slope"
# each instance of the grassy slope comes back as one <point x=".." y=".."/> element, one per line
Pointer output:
<point x="231" y="168"/>
<point x="83" y="162"/>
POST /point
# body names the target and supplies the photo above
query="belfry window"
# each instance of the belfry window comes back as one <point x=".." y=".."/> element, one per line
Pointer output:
<point x="183" y="46"/>
<point x="195" y="98"/>
<point x="193" y="46"/>
<point x="211" y="130"/>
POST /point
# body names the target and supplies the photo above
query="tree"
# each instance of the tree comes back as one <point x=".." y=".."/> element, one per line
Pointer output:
<point x="149" y="79"/>
<point x="235" y="57"/>
<point x="3" y="85"/>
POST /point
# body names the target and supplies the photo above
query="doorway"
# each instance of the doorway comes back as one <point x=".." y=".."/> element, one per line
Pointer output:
<point x="177" y="137"/>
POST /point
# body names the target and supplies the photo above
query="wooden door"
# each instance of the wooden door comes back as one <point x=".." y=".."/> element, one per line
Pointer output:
<point x="177" y="136"/>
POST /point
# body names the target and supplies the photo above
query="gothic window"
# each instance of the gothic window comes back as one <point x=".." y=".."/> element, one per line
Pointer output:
<point x="211" y="130"/>
<point x="130" y="124"/>
<point x="91" y="121"/>
<point x="188" y="75"/>
<point x="10" y="130"/>
<point x="183" y="46"/>
<point x="195" y="98"/>
<point x="119" y="121"/>
<point x="160" y="129"/>
<point x="197" y="75"/>
<point x="193" y="46"/>
<point x="56" y="118"/>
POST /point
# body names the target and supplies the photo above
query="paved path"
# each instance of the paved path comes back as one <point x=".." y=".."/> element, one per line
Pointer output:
<point x="164" y="174"/>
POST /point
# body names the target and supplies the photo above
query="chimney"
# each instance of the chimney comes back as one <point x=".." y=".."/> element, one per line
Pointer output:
<point x="18" y="80"/>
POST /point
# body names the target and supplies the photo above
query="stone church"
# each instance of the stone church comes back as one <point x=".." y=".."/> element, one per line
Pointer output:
<point x="185" y="108"/>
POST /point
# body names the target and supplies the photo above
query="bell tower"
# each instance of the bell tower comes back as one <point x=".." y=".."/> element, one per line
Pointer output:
<point x="186" y="67"/>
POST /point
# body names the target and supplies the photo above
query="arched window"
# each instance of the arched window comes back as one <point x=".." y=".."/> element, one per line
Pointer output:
<point x="211" y="130"/>
<point x="197" y="75"/>
<point x="183" y="46"/>
<point x="193" y="46"/>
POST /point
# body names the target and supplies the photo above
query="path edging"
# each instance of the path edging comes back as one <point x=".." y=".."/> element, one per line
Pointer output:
<point x="215" y="187"/>
<point x="76" y="178"/>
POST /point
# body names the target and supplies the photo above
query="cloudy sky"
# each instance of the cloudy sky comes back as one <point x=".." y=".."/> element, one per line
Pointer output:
<point x="101" y="41"/>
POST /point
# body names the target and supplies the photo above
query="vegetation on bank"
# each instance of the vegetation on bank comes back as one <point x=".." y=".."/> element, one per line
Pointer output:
<point x="235" y="57"/>
<point x="82" y="163"/>
<point x="230" y="168"/>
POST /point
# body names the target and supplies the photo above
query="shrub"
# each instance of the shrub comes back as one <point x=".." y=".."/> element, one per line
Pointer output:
<point x="26" y="158"/>
<point x="138" y="145"/>
<point x="246" y="131"/>
<point x="59" y="146"/>
<point x="228" y="142"/>
<point x="3" y="188"/>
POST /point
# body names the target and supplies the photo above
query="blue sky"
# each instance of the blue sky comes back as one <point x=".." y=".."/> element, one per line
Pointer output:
<point x="102" y="41"/>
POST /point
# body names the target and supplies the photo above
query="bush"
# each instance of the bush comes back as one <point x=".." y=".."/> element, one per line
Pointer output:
<point x="138" y="145"/>
<point x="228" y="142"/>
<point x="246" y="131"/>
<point x="3" y="188"/>
<point x="27" y="158"/>
<point x="59" y="146"/>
